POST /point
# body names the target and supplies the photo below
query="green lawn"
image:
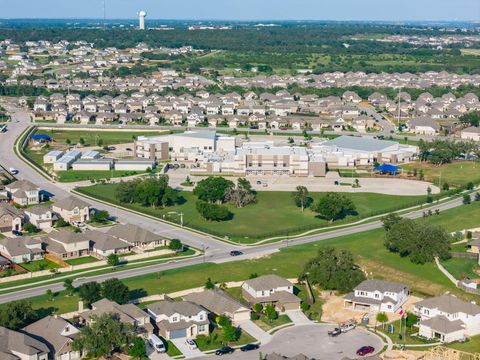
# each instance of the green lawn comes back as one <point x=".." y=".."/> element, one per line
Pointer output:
<point x="76" y="175"/>
<point x="458" y="173"/>
<point x="460" y="267"/>
<point x="315" y="310"/>
<point x="92" y="137"/>
<point x="82" y="260"/>
<point x="267" y="324"/>
<point x="472" y="345"/>
<point x="278" y="213"/>
<point x="214" y="340"/>
<point x="38" y="265"/>
<point x="172" y="350"/>
<point x="409" y="339"/>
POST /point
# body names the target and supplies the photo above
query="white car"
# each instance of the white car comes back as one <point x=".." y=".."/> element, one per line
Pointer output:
<point x="191" y="344"/>
<point x="156" y="343"/>
<point x="13" y="171"/>
<point x="348" y="327"/>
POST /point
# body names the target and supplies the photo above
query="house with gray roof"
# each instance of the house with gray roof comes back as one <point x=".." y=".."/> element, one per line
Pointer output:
<point x="58" y="334"/>
<point x="66" y="244"/>
<point x="23" y="192"/>
<point x="11" y="218"/>
<point x="16" y="345"/>
<point x="179" y="319"/>
<point x="21" y="249"/>
<point x="40" y="216"/>
<point x="137" y="236"/>
<point x="72" y="209"/>
<point x="377" y="295"/>
<point x="447" y="318"/>
<point x="271" y="289"/>
<point x="220" y="303"/>
<point x="471" y="133"/>
<point x="103" y="244"/>
<point x="424" y="126"/>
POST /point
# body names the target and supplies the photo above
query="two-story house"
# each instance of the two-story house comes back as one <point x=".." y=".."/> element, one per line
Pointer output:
<point x="377" y="295"/>
<point x="179" y="319"/>
<point x="58" y="334"/>
<point x="447" y="318"/>
<point x="16" y="345"/>
<point x="72" y="209"/>
<point x="23" y="192"/>
<point x="11" y="218"/>
<point x="40" y="216"/>
<point x="21" y="249"/>
<point x="271" y="289"/>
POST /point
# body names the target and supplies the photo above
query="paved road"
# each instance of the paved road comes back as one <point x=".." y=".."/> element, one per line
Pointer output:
<point x="312" y="341"/>
<point x="216" y="251"/>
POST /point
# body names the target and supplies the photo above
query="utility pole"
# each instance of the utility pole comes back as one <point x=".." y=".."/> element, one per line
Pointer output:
<point x="399" y="112"/>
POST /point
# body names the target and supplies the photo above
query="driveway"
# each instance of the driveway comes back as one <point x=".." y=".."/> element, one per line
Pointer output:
<point x="254" y="330"/>
<point x="185" y="350"/>
<point x="298" y="317"/>
<point x="313" y="341"/>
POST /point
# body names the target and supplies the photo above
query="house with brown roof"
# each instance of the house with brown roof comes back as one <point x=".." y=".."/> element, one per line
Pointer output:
<point x="66" y="244"/>
<point x="16" y="345"/>
<point x="220" y="303"/>
<point x="40" y="216"/>
<point x="23" y="192"/>
<point x="271" y="289"/>
<point x="11" y="218"/>
<point x="447" y="318"/>
<point x="137" y="236"/>
<point x="58" y="334"/>
<point x="127" y="313"/>
<point x="72" y="209"/>
<point x="179" y="319"/>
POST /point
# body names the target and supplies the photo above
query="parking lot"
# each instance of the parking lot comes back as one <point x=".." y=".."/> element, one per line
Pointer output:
<point x="314" y="342"/>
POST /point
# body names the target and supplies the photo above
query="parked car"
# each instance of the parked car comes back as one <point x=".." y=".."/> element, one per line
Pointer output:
<point x="13" y="171"/>
<point x="347" y="327"/>
<point x="224" y="351"/>
<point x="365" y="350"/>
<point x="17" y="233"/>
<point x="235" y="253"/>
<point x="335" y="332"/>
<point x="259" y="182"/>
<point x="111" y="148"/>
<point x="191" y="344"/>
<point x="249" y="347"/>
<point x="156" y="343"/>
<point x="128" y="149"/>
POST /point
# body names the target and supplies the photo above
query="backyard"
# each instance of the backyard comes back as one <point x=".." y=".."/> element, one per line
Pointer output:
<point x="279" y="215"/>
<point x="82" y="260"/>
<point x="461" y="267"/>
<point x="39" y="265"/>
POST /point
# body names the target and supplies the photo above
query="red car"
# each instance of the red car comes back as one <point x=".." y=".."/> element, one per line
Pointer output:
<point x="365" y="350"/>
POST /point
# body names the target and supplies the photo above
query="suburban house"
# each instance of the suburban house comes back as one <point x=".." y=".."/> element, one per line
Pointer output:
<point x="127" y="313"/>
<point x="66" y="244"/>
<point x="137" y="236"/>
<point x="57" y="334"/>
<point x="104" y="244"/>
<point x="471" y="133"/>
<point x="72" y="209"/>
<point x="377" y="295"/>
<point x="23" y="192"/>
<point x="39" y="216"/>
<point x="179" y="319"/>
<point x="23" y="249"/>
<point x="271" y="289"/>
<point x="16" y="345"/>
<point x="424" y="126"/>
<point x="447" y="318"/>
<point x="10" y="218"/>
<point x="220" y="303"/>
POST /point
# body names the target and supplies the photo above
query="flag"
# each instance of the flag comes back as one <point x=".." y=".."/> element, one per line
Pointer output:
<point x="400" y="311"/>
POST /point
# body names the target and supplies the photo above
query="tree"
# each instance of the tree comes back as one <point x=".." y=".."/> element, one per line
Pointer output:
<point x="152" y="191"/>
<point x="81" y="141"/>
<point x="382" y="318"/>
<point x="17" y="314"/>
<point x="90" y="292"/>
<point x="104" y="336"/>
<point x="411" y="320"/>
<point x="230" y="332"/>
<point x="61" y="223"/>
<point x="471" y="118"/>
<point x="242" y="194"/>
<point x="270" y="312"/>
<point x="213" y="189"/>
<point x="418" y="240"/>
<point x="445" y="187"/>
<point x="68" y="285"/>
<point x="334" y="206"/>
<point x="258" y="308"/>
<point x="209" y="284"/>
<point x="390" y="220"/>
<point x="175" y="245"/>
<point x="115" y="290"/>
<point x="467" y="199"/>
<point x="100" y="216"/>
<point x="50" y="295"/>
<point x="213" y="212"/>
<point x="138" y="349"/>
<point x="100" y="142"/>
<point x="302" y="198"/>
<point x="68" y="141"/>
<point x="113" y="260"/>
<point x="333" y="270"/>
<point x="30" y="228"/>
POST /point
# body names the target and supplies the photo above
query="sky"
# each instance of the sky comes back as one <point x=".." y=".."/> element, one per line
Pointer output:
<point x="384" y="10"/>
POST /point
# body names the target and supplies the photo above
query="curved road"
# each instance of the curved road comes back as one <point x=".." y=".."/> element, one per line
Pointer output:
<point x="215" y="250"/>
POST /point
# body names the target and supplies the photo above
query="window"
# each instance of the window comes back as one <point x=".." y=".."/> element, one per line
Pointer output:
<point x="174" y="319"/>
<point x="201" y="328"/>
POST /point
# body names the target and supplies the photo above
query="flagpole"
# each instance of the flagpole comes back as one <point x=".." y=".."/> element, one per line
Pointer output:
<point x="401" y="317"/>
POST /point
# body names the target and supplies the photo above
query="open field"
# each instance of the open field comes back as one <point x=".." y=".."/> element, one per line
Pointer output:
<point x="458" y="173"/>
<point x="73" y="175"/>
<point x="279" y="215"/>
<point x="367" y="248"/>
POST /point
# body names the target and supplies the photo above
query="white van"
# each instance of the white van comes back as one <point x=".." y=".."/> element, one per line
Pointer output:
<point x="156" y="343"/>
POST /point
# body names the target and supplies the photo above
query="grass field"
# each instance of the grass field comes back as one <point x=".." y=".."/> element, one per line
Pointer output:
<point x="82" y="260"/>
<point x="266" y="324"/>
<point x="472" y="345"/>
<point x="74" y="175"/>
<point x="214" y="340"/>
<point x="38" y="265"/>
<point x="278" y="213"/>
<point x="92" y="137"/>
<point x="460" y="267"/>
<point x="458" y="173"/>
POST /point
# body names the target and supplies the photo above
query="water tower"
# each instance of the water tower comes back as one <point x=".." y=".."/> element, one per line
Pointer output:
<point x="141" y="19"/>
